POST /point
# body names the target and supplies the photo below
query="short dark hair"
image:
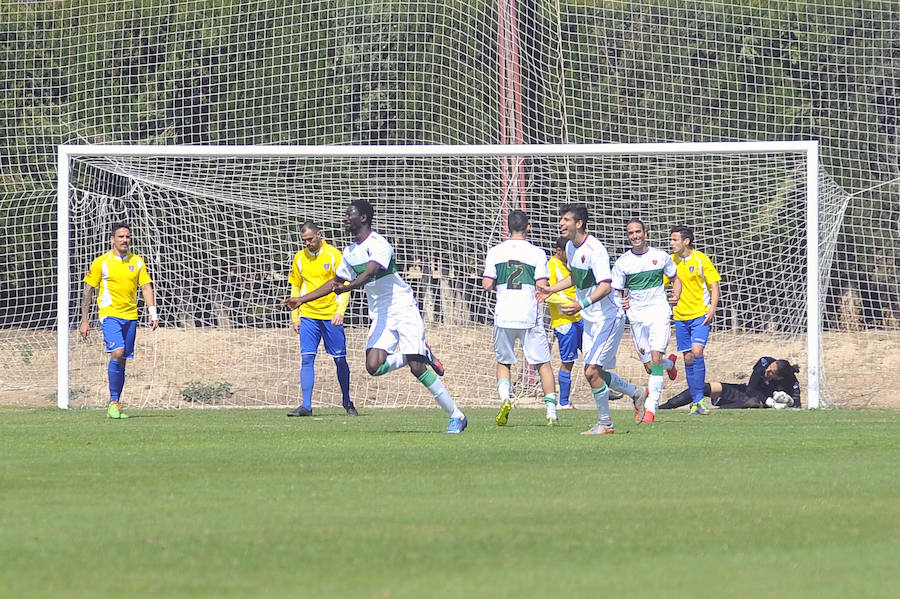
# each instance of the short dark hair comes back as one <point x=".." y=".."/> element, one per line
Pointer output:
<point x="638" y="221"/>
<point x="365" y="209"/>
<point x="561" y="242"/>
<point x="579" y="213"/>
<point x="785" y="368"/>
<point x="309" y="225"/>
<point x="119" y="225"/>
<point x="685" y="232"/>
<point x="517" y="221"/>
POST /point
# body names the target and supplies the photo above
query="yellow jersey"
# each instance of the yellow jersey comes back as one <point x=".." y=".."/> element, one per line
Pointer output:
<point x="558" y="272"/>
<point x="117" y="280"/>
<point x="697" y="273"/>
<point x="309" y="272"/>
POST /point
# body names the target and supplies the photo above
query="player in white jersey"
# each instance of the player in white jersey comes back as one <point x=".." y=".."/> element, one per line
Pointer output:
<point x="513" y="268"/>
<point x="397" y="331"/>
<point x="604" y="320"/>
<point x="638" y="278"/>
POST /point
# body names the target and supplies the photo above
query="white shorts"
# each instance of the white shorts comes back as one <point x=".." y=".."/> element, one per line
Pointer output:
<point x="402" y="332"/>
<point x="649" y="337"/>
<point x="535" y="345"/>
<point x="600" y="341"/>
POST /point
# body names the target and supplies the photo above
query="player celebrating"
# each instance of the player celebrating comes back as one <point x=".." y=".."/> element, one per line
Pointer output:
<point x="568" y="328"/>
<point x="319" y="320"/>
<point x="513" y="268"/>
<point x="694" y="310"/>
<point x="637" y="276"/>
<point x="118" y="273"/>
<point x="604" y="321"/>
<point x="397" y="332"/>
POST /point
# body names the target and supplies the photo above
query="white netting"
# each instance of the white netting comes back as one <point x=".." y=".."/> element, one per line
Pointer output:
<point x="460" y="72"/>
<point x="219" y="234"/>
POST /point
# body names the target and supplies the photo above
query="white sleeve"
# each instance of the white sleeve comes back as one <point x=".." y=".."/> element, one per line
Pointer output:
<point x="669" y="268"/>
<point x="618" y="277"/>
<point x="344" y="270"/>
<point x="381" y="252"/>
<point x="541" y="271"/>
<point x="600" y="265"/>
<point x="490" y="268"/>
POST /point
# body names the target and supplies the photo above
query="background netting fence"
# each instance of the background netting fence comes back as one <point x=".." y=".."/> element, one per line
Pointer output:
<point x="449" y="72"/>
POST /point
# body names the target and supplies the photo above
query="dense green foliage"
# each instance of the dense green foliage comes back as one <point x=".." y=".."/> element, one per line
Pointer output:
<point x="248" y="503"/>
<point x="325" y="72"/>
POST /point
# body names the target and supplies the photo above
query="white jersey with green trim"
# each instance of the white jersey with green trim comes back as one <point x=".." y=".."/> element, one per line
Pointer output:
<point x="387" y="293"/>
<point x="640" y="276"/>
<point x="589" y="266"/>
<point x="516" y="264"/>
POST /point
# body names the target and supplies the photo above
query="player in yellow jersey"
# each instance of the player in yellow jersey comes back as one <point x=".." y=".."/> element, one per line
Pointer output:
<point x="568" y="328"/>
<point x="694" y="310"/>
<point x="117" y="274"/>
<point x="321" y="320"/>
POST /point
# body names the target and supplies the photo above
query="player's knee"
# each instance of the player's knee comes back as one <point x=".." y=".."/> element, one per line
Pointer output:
<point x="117" y="354"/>
<point x="373" y="367"/>
<point x="697" y="351"/>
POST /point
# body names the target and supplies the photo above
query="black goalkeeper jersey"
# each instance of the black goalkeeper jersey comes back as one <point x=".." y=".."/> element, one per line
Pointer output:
<point x="760" y="387"/>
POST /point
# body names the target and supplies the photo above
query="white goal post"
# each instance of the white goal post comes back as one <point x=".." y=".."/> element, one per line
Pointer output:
<point x="806" y="151"/>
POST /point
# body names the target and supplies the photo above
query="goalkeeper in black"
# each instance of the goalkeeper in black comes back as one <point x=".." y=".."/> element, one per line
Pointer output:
<point x="773" y="384"/>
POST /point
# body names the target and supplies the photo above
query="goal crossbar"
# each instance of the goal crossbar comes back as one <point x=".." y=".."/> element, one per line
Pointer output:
<point x="810" y="149"/>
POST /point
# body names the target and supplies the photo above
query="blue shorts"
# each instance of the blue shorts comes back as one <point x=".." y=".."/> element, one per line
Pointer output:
<point x="118" y="332"/>
<point x="691" y="332"/>
<point x="313" y="330"/>
<point x="570" y="340"/>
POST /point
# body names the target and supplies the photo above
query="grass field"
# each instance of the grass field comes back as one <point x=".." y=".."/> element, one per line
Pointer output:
<point x="248" y="503"/>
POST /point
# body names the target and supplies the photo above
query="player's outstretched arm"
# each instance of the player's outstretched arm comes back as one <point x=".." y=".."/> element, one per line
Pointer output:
<point x="87" y="297"/>
<point x="332" y="285"/>
<point x="543" y="290"/>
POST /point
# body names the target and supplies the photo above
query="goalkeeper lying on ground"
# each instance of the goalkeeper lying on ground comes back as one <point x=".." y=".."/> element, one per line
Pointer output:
<point x="773" y="384"/>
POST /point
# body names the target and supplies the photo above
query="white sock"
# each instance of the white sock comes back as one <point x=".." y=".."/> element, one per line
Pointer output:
<point x="442" y="396"/>
<point x="621" y="385"/>
<point x="550" y="402"/>
<point x="667" y="364"/>
<point x="655" y="385"/>
<point x="503" y="388"/>
<point x="601" y="398"/>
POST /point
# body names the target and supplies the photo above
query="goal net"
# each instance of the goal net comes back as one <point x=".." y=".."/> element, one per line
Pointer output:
<point x="219" y="226"/>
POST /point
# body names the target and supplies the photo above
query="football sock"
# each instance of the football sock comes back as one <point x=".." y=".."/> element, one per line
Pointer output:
<point x="392" y="362"/>
<point x="699" y="378"/>
<point x="601" y="398"/>
<point x="565" y="386"/>
<point x="667" y="364"/>
<point x="440" y="393"/>
<point x="343" y="377"/>
<point x="550" y="398"/>
<point x="503" y="388"/>
<point x="655" y="386"/>
<point x="116" y="372"/>
<point x="307" y="378"/>
<point x="619" y="384"/>
<point x="689" y="377"/>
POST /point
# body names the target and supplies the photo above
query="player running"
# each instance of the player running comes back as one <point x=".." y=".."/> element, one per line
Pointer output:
<point x="638" y="276"/>
<point x="513" y="268"/>
<point x="397" y="331"/>
<point x="604" y="320"/>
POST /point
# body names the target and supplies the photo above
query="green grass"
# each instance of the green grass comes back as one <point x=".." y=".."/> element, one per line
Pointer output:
<point x="248" y="503"/>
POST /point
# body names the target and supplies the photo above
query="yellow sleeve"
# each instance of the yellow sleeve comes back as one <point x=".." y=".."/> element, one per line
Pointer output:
<point x="144" y="276"/>
<point x="343" y="300"/>
<point x="709" y="271"/>
<point x="558" y="299"/>
<point x="295" y="313"/>
<point x="93" y="276"/>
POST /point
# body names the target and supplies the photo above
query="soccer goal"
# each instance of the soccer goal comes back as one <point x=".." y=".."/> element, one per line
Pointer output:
<point x="218" y="226"/>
